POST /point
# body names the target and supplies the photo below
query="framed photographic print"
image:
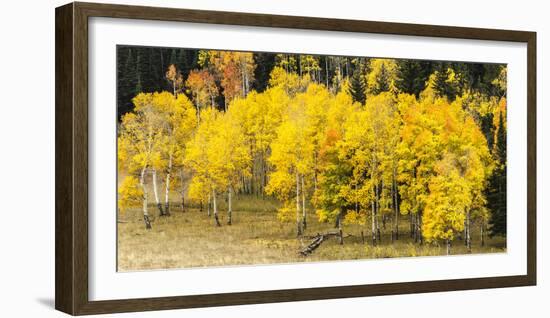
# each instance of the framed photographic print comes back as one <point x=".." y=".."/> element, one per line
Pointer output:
<point x="218" y="158"/>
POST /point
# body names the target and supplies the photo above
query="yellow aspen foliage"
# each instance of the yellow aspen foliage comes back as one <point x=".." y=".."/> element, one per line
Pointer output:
<point x="428" y="155"/>
<point x="353" y="217"/>
<point x="290" y="82"/>
<point x="198" y="156"/>
<point x="444" y="165"/>
<point x="130" y="194"/>
<point x="217" y="153"/>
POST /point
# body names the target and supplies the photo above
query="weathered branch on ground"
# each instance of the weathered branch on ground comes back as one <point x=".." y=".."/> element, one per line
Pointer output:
<point x="317" y="240"/>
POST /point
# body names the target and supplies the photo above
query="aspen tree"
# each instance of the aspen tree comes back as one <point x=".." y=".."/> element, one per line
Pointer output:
<point x="139" y="144"/>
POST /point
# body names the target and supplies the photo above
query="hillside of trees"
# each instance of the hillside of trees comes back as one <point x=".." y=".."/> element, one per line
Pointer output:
<point x="345" y="140"/>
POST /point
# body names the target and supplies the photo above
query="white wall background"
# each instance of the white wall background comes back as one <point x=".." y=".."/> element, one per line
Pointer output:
<point x="27" y="158"/>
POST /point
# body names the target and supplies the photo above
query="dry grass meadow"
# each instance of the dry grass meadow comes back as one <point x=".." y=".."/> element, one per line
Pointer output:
<point x="190" y="239"/>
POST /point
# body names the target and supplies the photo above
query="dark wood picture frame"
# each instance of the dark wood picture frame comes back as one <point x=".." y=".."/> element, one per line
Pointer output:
<point x="71" y="158"/>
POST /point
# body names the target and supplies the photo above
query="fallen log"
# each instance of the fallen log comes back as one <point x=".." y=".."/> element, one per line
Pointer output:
<point x="317" y="240"/>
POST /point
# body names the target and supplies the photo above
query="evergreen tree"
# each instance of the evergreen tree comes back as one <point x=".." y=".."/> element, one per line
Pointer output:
<point x="173" y="57"/>
<point x="264" y="65"/>
<point x="382" y="81"/>
<point x="501" y="141"/>
<point x="497" y="185"/>
<point x="447" y="83"/>
<point x="412" y="76"/>
<point x="357" y="87"/>
<point x="127" y="80"/>
<point x="488" y="129"/>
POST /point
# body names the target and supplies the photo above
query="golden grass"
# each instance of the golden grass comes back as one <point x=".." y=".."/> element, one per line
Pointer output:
<point x="190" y="239"/>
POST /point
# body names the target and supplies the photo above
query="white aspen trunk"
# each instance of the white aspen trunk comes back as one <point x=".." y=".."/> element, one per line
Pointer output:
<point x="378" y="213"/>
<point x="215" y="207"/>
<point x="413" y="225"/>
<point x="316" y="159"/>
<point x="144" y="189"/>
<point x="448" y="243"/>
<point x="298" y="225"/>
<point x="378" y="236"/>
<point x="396" y="205"/>
<point x="167" y="195"/>
<point x="419" y="228"/>
<point x="304" y="219"/>
<point x="167" y="186"/>
<point x="468" y="236"/>
<point x="199" y="114"/>
<point x="262" y="173"/>
<point x="373" y="226"/>
<point x="156" y="192"/>
<point x="208" y="208"/>
<point x="229" y="209"/>
<point x="356" y="199"/>
<point x="182" y="191"/>
<point x="340" y="230"/>
<point x="394" y="217"/>
<point x="326" y="69"/>
<point x="243" y="86"/>
<point x="482" y="230"/>
<point x="247" y="83"/>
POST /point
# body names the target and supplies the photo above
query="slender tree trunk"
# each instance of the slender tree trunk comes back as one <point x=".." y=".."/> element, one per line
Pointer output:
<point x="208" y="204"/>
<point x="156" y="192"/>
<point x="326" y="69"/>
<point x="448" y="244"/>
<point x="373" y="216"/>
<point x="356" y="199"/>
<point x="246" y="82"/>
<point x="182" y="191"/>
<point x="251" y="181"/>
<point x="411" y="225"/>
<point x="419" y="228"/>
<point x="229" y="209"/>
<point x="298" y="220"/>
<point x="468" y="234"/>
<point x="315" y="177"/>
<point x="377" y="213"/>
<point x="340" y="230"/>
<point x="215" y="207"/>
<point x="199" y="114"/>
<point x="482" y="229"/>
<point x="304" y="218"/>
<point x="167" y="187"/>
<point x="243" y="86"/>
<point x="144" y="189"/>
<point x="396" y="206"/>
